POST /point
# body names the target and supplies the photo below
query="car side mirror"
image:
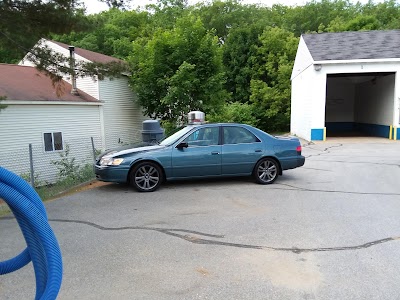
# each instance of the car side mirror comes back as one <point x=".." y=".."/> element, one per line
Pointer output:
<point x="182" y="145"/>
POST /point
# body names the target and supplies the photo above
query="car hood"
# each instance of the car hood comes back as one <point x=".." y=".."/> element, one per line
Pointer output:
<point x="121" y="151"/>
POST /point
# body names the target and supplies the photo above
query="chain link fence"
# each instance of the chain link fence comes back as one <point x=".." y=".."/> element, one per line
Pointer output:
<point x="61" y="162"/>
<point x="52" y="172"/>
<point x="123" y="137"/>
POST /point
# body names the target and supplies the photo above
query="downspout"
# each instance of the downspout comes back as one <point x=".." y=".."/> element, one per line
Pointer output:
<point x="74" y="90"/>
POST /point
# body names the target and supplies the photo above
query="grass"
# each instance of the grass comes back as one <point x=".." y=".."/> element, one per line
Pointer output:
<point x="4" y="210"/>
<point x="51" y="191"/>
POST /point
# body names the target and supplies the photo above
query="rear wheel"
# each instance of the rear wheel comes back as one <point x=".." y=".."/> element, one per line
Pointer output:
<point x="266" y="171"/>
<point x="146" y="177"/>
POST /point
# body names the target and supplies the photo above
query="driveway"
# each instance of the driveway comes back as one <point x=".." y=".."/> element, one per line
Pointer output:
<point x="328" y="230"/>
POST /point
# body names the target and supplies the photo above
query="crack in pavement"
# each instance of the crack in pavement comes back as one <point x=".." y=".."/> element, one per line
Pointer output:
<point x="317" y="169"/>
<point x="301" y="189"/>
<point x="196" y="240"/>
<point x="359" y="162"/>
<point x="324" y="151"/>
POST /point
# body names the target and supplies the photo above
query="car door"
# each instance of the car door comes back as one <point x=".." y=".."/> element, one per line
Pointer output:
<point x="201" y="157"/>
<point x="241" y="149"/>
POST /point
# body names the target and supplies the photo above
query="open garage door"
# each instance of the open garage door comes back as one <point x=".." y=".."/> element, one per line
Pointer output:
<point x="359" y="104"/>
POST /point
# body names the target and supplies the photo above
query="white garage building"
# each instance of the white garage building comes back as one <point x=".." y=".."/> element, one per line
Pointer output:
<point x="346" y="83"/>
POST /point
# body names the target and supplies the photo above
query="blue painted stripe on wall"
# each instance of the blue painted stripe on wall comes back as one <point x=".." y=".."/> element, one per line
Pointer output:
<point x="373" y="129"/>
<point x="367" y="129"/>
<point x="339" y="126"/>
<point x="317" y="134"/>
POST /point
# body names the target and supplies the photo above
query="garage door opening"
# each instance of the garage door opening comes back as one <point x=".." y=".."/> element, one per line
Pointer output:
<point x="359" y="104"/>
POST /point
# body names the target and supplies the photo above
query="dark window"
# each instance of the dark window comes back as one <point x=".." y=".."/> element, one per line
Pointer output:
<point x="58" y="143"/>
<point x="238" y="135"/>
<point x="204" y="137"/>
<point x="48" y="142"/>
<point x="53" y="141"/>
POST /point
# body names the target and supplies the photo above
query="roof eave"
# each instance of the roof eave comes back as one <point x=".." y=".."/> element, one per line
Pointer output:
<point x="356" y="61"/>
<point x="49" y="102"/>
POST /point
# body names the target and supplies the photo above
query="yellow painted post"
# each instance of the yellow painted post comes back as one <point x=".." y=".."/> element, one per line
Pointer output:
<point x="324" y="133"/>
<point x="395" y="133"/>
<point x="390" y="132"/>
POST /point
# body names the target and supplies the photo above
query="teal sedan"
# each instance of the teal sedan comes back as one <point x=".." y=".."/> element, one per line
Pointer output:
<point x="202" y="151"/>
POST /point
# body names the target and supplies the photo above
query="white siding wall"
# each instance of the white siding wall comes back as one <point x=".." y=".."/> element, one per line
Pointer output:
<point x="303" y="59"/>
<point x="307" y="88"/>
<point x="122" y="116"/>
<point x="374" y="101"/>
<point x="21" y="125"/>
<point x="300" y="110"/>
<point x="89" y="85"/>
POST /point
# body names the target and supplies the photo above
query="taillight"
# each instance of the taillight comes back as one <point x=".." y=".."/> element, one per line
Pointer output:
<point x="298" y="149"/>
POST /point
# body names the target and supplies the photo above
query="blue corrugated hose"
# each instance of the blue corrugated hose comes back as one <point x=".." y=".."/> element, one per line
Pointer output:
<point x="43" y="249"/>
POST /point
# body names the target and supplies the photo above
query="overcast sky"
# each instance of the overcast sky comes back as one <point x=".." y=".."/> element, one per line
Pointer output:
<point x="94" y="6"/>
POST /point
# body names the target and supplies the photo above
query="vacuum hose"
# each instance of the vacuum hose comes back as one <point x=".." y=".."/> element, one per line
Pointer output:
<point x="42" y="246"/>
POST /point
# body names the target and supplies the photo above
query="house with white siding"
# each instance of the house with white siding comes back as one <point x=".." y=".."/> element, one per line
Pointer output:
<point x="346" y="84"/>
<point x="52" y="119"/>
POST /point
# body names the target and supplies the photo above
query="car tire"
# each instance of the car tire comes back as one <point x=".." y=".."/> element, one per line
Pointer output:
<point x="266" y="171"/>
<point x="146" y="176"/>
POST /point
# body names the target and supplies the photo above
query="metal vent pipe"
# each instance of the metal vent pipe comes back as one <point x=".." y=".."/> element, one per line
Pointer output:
<point x="74" y="90"/>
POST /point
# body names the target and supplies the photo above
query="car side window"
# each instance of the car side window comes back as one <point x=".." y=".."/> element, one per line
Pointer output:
<point x="203" y="137"/>
<point x="238" y="135"/>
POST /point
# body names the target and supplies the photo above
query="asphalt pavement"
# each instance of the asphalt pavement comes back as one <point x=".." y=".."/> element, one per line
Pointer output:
<point x="327" y="230"/>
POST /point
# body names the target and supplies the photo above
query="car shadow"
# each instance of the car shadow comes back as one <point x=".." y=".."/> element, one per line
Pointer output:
<point x="205" y="182"/>
<point x="199" y="183"/>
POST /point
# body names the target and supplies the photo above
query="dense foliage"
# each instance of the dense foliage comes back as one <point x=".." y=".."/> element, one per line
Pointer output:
<point x="231" y="60"/>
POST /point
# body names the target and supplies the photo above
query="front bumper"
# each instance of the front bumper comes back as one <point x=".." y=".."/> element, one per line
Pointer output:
<point x="111" y="173"/>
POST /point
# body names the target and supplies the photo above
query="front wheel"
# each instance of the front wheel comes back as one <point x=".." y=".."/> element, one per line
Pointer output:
<point x="146" y="177"/>
<point x="266" y="171"/>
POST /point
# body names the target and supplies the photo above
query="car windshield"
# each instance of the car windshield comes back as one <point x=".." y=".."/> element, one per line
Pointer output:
<point x="174" y="137"/>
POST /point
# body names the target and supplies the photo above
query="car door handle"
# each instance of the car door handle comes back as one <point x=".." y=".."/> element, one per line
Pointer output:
<point x="214" y="153"/>
<point x="258" y="150"/>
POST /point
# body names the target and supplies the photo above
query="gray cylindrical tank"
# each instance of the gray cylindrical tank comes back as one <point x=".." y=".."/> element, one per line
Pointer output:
<point x="196" y="117"/>
<point x="152" y="131"/>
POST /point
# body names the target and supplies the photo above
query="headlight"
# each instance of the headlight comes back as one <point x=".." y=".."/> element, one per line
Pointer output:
<point x="110" y="161"/>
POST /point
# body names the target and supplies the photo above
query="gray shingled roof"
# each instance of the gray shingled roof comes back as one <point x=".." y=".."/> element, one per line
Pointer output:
<point x="351" y="45"/>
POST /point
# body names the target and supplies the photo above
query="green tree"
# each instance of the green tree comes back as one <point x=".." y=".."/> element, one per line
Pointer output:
<point x="178" y="70"/>
<point x="24" y="22"/>
<point x="235" y="112"/>
<point x="110" y="32"/>
<point x="165" y="13"/>
<point x="362" y="23"/>
<point x="238" y="50"/>
<point x="316" y="14"/>
<point x="386" y="13"/>
<point x="222" y="16"/>
<point x="270" y="87"/>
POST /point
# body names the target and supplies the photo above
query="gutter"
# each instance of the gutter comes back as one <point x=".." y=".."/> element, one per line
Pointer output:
<point x="356" y="61"/>
<point x="30" y="102"/>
